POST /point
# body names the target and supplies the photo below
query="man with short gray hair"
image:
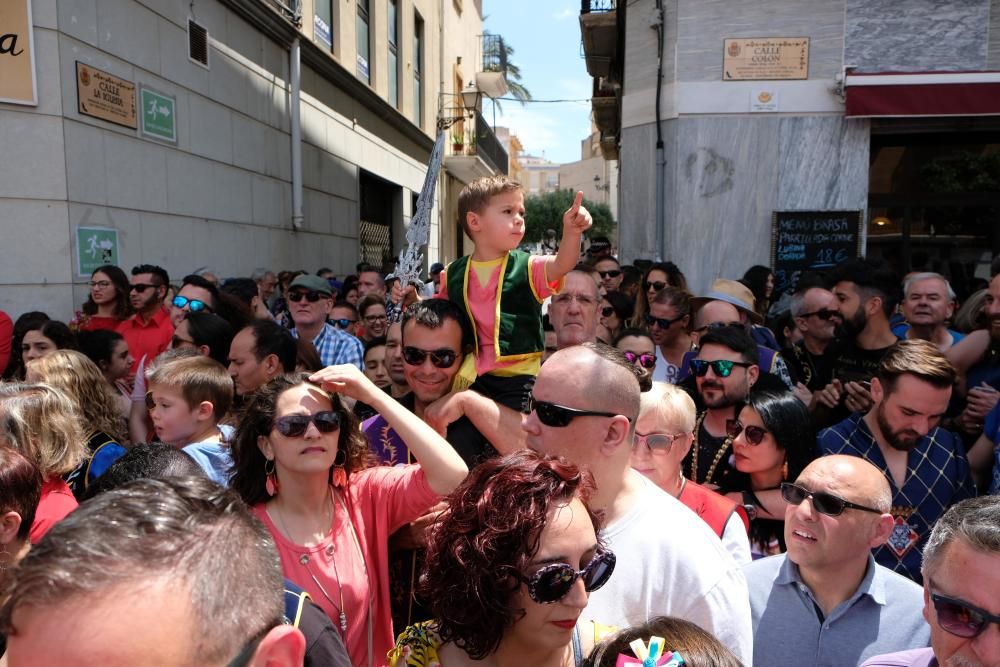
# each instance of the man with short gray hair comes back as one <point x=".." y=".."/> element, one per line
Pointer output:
<point x="176" y="568"/>
<point x="826" y="601"/>
<point x="961" y="590"/>
<point x="928" y="304"/>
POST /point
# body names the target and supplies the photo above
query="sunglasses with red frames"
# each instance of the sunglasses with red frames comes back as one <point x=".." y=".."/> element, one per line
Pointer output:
<point x="961" y="618"/>
<point x="295" y="426"/>
<point x="754" y="434"/>
<point x="645" y="360"/>
<point x="552" y="582"/>
<point x="443" y="358"/>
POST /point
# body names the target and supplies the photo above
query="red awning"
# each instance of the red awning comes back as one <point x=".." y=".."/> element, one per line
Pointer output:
<point x="896" y="94"/>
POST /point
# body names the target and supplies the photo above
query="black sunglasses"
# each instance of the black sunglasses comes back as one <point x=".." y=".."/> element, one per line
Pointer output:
<point x="961" y="618"/>
<point x="343" y="323"/>
<point x="645" y="360"/>
<point x="195" y="305"/>
<point x="311" y="296"/>
<point x="559" y="416"/>
<point x="824" y="503"/>
<point x="721" y="367"/>
<point x="551" y="583"/>
<point x="142" y="287"/>
<point x="607" y="311"/>
<point x="294" y="426"/>
<point x="754" y="434"/>
<point x="661" y="322"/>
<point x="656" y="285"/>
<point x="823" y="313"/>
<point x="243" y="658"/>
<point x="613" y="273"/>
<point x="443" y="358"/>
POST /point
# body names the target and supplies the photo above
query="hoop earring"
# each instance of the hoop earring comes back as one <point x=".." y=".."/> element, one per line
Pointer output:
<point x="338" y="475"/>
<point x="271" y="484"/>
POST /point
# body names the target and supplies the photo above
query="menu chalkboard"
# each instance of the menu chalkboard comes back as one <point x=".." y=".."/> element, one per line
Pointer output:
<point x="811" y="241"/>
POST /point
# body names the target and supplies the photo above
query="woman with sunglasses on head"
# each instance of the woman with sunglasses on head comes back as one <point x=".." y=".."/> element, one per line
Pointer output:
<point x="669" y="325"/>
<point x="773" y="441"/>
<point x="302" y="464"/>
<point x="664" y="433"/>
<point x="509" y="568"/>
<point x="656" y="277"/>
<point x="108" y="303"/>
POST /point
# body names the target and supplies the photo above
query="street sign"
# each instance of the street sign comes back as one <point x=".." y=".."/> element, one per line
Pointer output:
<point x="159" y="117"/>
<point x="103" y="95"/>
<point x="95" y="247"/>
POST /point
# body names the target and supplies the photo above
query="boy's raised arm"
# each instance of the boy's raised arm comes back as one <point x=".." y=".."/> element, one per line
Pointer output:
<point x="576" y="220"/>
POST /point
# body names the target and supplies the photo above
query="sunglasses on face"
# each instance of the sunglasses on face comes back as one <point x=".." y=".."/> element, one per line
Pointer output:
<point x="656" y="442"/>
<point x="824" y="503"/>
<point x="961" y="618"/>
<point x="823" y="313"/>
<point x="613" y="273"/>
<point x="721" y="367"/>
<point x="443" y="358"/>
<point x="559" y="416"/>
<point x="553" y="582"/>
<point x="295" y="426"/>
<point x="754" y="434"/>
<point x="343" y="323"/>
<point x="661" y="322"/>
<point x="141" y="287"/>
<point x="310" y="296"/>
<point x="195" y="305"/>
<point x="607" y="311"/>
<point x="655" y="285"/>
<point x="645" y="360"/>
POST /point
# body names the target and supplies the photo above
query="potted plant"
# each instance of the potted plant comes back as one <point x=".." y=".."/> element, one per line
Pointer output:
<point x="457" y="142"/>
<point x="471" y="149"/>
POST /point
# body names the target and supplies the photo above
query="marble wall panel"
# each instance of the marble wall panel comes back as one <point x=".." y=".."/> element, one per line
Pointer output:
<point x="928" y="35"/>
<point x="993" y="54"/>
<point x="823" y="163"/>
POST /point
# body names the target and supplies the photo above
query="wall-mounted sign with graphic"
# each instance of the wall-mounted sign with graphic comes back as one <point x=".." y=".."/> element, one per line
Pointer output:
<point x="159" y="117"/>
<point x="765" y="59"/>
<point x="105" y="96"/>
<point x="95" y="247"/>
<point x="17" y="53"/>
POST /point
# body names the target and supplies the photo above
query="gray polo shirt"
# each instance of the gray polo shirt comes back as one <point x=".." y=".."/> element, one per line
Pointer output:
<point x="883" y="615"/>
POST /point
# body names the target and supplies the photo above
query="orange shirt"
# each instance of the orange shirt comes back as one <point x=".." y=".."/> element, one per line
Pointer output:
<point x="147" y="338"/>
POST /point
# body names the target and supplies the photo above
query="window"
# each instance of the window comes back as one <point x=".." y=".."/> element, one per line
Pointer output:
<point x="364" y="47"/>
<point x="418" y="66"/>
<point x="394" y="52"/>
<point x="323" y="23"/>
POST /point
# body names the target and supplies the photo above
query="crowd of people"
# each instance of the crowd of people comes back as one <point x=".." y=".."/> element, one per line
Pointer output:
<point x="544" y="460"/>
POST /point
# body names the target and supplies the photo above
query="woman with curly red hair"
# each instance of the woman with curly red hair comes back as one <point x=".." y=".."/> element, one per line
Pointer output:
<point x="509" y="568"/>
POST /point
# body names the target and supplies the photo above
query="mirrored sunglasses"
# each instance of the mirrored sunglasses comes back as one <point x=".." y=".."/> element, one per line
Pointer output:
<point x="551" y="583"/>
<point x="342" y="323"/>
<point x="721" y="367"/>
<point x="645" y="360"/>
<point x="443" y="358"/>
<point x="194" y="305"/>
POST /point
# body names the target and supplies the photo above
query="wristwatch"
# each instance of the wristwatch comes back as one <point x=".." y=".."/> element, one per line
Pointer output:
<point x="750" y="504"/>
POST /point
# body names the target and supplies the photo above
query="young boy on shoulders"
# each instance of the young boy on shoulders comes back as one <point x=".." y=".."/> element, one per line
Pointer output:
<point x="502" y="288"/>
<point x="187" y="399"/>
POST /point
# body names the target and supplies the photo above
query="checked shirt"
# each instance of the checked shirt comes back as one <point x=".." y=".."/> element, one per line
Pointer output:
<point x="937" y="477"/>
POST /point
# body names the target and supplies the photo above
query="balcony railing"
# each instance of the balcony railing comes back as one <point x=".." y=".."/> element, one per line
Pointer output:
<point x="597" y="6"/>
<point x="488" y="147"/>
<point x="494" y="54"/>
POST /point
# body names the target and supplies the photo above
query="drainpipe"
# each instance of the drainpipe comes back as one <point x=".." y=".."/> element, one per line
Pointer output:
<point x="661" y="158"/>
<point x="294" y="66"/>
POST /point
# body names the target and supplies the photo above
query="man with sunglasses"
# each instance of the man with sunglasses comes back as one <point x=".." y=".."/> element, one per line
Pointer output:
<point x="196" y="295"/>
<point x="610" y="272"/>
<point x="310" y="299"/>
<point x="675" y="564"/>
<point x="814" y="311"/>
<point x="150" y="330"/>
<point x="826" y="601"/>
<point x="925" y="464"/>
<point x="961" y="590"/>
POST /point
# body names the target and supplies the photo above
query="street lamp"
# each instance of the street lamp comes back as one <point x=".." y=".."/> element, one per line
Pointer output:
<point x="470" y="96"/>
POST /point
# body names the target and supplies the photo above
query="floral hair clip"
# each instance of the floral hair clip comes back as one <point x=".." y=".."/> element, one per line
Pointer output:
<point x="651" y="655"/>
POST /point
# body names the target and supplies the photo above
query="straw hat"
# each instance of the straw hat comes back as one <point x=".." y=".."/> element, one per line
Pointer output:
<point x="732" y="292"/>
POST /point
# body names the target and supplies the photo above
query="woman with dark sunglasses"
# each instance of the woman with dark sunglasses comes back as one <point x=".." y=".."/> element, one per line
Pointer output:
<point x="615" y="310"/>
<point x="509" y="568"/>
<point x="773" y="442"/>
<point x="301" y="463"/>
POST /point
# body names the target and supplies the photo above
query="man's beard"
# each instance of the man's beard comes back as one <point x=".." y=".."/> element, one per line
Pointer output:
<point x="148" y="301"/>
<point x="725" y="400"/>
<point x="960" y="661"/>
<point x="848" y="329"/>
<point x="895" y="438"/>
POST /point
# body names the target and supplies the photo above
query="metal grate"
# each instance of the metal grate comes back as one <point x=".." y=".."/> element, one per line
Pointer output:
<point x="197" y="43"/>
<point x="375" y="240"/>
<point x="494" y="54"/>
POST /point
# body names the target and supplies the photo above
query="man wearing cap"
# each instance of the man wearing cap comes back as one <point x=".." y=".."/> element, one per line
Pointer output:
<point x="310" y="300"/>
<point x="433" y="286"/>
<point x="730" y="302"/>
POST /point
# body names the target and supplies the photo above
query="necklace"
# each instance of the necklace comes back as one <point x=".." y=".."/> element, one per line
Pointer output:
<point x="718" y="455"/>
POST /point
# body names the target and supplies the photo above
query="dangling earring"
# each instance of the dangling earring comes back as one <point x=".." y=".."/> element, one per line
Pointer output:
<point x="784" y="471"/>
<point x="270" y="479"/>
<point x="338" y="476"/>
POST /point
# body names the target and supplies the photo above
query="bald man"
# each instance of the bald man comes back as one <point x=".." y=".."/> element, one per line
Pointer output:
<point x="826" y="601"/>
<point x="670" y="563"/>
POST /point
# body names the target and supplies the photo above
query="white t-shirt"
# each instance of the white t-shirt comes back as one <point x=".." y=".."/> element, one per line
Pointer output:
<point x="670" y="563"/>
<point x="736" y="541"/>
<point x="664" y="370"/>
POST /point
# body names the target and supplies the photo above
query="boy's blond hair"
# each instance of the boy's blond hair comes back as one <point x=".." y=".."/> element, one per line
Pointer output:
<point x="476" y="196"/>
<point x="197" y="379"/>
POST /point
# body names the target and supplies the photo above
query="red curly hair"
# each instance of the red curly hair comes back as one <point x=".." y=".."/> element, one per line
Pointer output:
<point x="487" y="538"/>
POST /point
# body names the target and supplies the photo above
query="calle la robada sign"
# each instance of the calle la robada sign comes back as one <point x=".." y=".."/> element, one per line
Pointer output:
<point x="17" y="53"/>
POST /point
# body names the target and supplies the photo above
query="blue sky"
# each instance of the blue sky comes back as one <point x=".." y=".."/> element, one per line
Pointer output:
<point x="545" y="35"/>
